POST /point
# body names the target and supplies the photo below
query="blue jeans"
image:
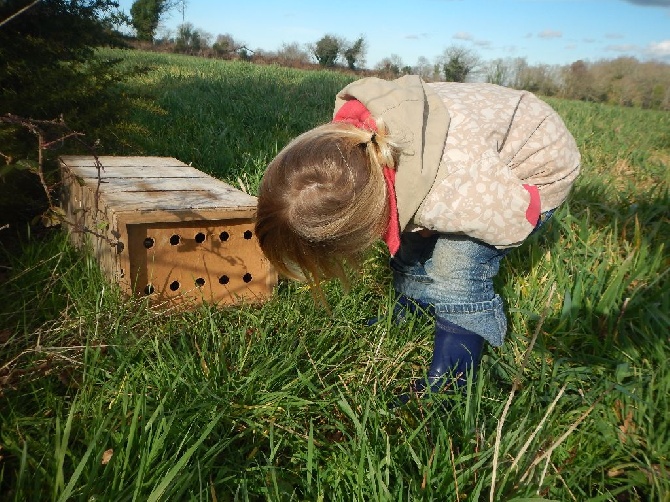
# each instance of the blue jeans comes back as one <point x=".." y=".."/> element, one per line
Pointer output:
<point x="454" y="275"/>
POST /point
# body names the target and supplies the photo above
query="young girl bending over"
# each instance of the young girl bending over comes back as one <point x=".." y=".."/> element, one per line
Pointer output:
<point x="450" y="175"/>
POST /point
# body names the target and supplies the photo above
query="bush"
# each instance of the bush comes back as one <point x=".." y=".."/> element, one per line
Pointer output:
<point x="48" y="70"/>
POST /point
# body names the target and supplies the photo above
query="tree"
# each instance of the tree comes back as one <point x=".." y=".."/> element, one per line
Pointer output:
<point x="629" y="82"/>
<point x="48" y="69"/>
<point x="458" y="62"/>
<point x="390" y="67"/>
<point x="224" y="44"/>
<point x="326" y="50"/>
<point x="499" y="72"/>
<point x="519" y="69"/>
<point x="146" y="15"/>
<point x="226" y="47"/>
<point x="354" y="54"/>
<point x="293" y="54"/>
<point x="423" y="68"/>
<point x="540" y="79"/>
<point x="579" y="82"/>
<point x="191" y="40"/>
<point x="43" y="51"/>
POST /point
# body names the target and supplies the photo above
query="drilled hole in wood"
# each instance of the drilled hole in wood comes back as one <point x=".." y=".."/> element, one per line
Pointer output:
<point x="174" y="285"/>
<point x="149" y="242"/>
<point x="224" y="236"/>
<point x="247" y="277"/>
<point x="224" y="279"/>
<point x="248" y="234"/>
<point x="200" y="282"/>
<point x="174" y="240"/>
<point x="199" y="237"/>
<point x="149" y="289"/>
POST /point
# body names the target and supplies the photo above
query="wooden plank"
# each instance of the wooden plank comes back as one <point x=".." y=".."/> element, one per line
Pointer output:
<point x="108" y="185"/>
<point x="184" y="215"/>
<point x="118" y="161"/>
<point x="137" y="172"/>
<point x="176" y="200"/>
<point x="131" y="167"/>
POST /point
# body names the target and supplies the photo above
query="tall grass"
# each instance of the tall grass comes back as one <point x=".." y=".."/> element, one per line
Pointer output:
<point x="228" y="119"/>
<point x="104" y="399"/>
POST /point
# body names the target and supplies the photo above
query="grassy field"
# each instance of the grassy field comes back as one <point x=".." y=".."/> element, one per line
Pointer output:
<point x="104" y="399"/>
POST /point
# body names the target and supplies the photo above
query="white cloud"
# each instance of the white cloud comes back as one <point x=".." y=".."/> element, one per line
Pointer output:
<point x="656" y="50"/>
<point x="468" y="37"/>
<point x="415" y="36"/>
<point x="622" y="48"/>
<point x="462" y="35"/>
<point x="550" y="34"/>
<point x="484" y="44"/>
<point x="660" y="49"/>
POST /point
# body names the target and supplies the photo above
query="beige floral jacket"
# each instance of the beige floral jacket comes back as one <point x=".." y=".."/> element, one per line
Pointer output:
<point x="465" y="163"/>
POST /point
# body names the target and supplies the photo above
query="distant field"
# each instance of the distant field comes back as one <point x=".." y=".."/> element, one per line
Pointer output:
<point x="102" y="399"/>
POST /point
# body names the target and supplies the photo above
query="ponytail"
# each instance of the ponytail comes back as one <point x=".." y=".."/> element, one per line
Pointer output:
<point x="381" y="150"/>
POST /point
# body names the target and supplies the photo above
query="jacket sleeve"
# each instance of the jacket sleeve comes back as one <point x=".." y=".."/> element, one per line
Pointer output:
<point x="486" y="201"/>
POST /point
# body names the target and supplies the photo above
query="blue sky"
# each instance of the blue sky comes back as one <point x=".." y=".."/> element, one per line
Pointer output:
<point x="542" y="31"/>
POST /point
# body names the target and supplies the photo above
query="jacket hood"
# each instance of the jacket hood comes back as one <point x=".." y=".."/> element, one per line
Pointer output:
<point x="417" y="120"/>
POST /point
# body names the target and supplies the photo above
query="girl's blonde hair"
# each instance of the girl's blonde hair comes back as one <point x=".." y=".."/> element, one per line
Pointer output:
<point x="323" y="200"/>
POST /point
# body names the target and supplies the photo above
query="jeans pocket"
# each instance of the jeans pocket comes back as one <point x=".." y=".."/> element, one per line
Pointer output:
<point x="415" y="272"/>
<point x="487" y="319"/>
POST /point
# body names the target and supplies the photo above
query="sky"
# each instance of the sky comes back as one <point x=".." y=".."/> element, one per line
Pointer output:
<point x="542" y="31"/>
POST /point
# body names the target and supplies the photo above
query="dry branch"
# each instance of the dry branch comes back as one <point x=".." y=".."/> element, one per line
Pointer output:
<point x="58" y="128"/>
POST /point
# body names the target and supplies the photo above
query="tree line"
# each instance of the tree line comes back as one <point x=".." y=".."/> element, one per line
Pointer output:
<point x="623" y="81"/>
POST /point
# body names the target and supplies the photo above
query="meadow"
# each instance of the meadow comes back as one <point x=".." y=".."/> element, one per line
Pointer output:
<point x="102" y="398"/>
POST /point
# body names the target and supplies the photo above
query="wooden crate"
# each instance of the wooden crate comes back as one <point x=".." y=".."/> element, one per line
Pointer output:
<point x="163" y="229"/>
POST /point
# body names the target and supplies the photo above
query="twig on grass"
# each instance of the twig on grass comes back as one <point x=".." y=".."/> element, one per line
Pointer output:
<point x="371" y="365"/>
<point x="622" y="311"/>
<point x="316" y="370"/>
<point x="424" y="481"/>
<point x="453" y="468"/>
<point x="284" y="428"/>
<point x="558" y="474"/>
<point x="515" y="386"/>
<point x="544" y="473"/>
<point x="496" y="449"/>
<point x="539" y="426"/>
<point x="564" y="436"/>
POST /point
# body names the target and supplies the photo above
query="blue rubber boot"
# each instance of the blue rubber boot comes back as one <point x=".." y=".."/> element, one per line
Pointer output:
<point x="456" y="353"/>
